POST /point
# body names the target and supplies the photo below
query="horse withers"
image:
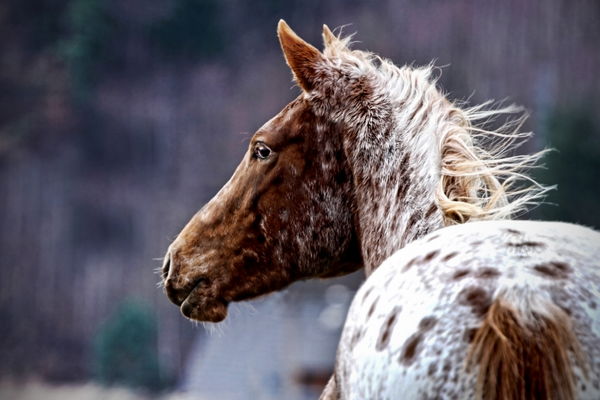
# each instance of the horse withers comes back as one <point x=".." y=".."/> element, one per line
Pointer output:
<point x="373" y="167"/>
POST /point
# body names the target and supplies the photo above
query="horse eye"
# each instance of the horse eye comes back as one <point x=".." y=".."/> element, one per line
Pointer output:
<point x="261" y="151"/>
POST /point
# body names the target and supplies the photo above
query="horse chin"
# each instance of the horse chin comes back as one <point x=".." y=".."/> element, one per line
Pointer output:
<point x="204" y="309"/>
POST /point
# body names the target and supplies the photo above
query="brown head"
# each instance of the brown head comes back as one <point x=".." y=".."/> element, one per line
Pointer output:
<point x="286" y="213"/>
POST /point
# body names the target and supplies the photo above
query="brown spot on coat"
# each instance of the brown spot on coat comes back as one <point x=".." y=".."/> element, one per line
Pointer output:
<point x="469" y="335"/>
<point x="450" y="256"/>
<point x="410" y="264"/>
<point x="427" y="323"/>
<point x="554" y="269"/>
<point x="459" y="274"/>
<point x="429" y="256"/>
<point x="356" y="336"/>
<point x="526" y="244"/>
<point x="477" y="298"/>
<point x="372" y="308"/>
<point x="385" y="333"/>
<point x="487" y="272"/>
<point x="410" y="349"/>
<point x="367" y="293"/>
<point x="433" y="238"/>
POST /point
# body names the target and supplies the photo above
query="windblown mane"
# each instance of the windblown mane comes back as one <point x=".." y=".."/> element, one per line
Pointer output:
<point x="480" y="177"/>
<point x="484" y="184"/>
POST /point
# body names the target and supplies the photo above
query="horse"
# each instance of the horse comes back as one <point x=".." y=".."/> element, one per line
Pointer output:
<point x="372" y="167"/>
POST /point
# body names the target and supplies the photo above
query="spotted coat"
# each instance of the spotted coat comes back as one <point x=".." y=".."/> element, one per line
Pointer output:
<point x="411" y="324"/>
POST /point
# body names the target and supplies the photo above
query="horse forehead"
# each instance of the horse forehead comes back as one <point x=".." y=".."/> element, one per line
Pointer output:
<point x="284" y="125"/>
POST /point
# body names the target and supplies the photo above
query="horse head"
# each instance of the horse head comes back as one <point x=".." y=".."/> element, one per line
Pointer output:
<point x="368" y="158"/>
<point x="285" y="214"/>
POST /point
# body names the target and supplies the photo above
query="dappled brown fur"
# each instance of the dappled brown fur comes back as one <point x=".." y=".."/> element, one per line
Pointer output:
<point x="276" y="221"/>
<point x="520" y="359"/>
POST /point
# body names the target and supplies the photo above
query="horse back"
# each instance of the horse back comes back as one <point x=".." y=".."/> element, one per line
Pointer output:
<point x="505" y="309"/>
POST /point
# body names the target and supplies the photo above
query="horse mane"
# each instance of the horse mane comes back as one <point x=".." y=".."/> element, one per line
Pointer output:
<point x="481" y="177"/>
<point x="480" y="182"/>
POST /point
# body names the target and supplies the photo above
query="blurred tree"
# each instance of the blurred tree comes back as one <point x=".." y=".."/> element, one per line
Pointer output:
<point x="39" y="20"/>
<point x="574" y="167"/>
<point x="89" y="46"/>
<point x="192" y="30"/>
<point x="29" y="72"/>
<point x="125" y="350"/>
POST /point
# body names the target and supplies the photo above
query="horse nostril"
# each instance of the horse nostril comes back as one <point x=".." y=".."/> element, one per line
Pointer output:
<point x="166" y="267"/>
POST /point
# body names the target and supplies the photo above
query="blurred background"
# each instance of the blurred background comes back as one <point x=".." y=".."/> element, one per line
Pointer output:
<point x="119" y="120"/>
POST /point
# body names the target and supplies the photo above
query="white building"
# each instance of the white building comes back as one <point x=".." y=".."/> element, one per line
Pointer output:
<point x="279" y="347"/>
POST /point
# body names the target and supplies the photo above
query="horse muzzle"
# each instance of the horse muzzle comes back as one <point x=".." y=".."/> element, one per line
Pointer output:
<point x="193" y="296"/>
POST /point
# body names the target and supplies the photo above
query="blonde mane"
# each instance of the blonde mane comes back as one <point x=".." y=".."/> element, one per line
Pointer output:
<point x="481" y="178"/>
<point x="479" y="183"/>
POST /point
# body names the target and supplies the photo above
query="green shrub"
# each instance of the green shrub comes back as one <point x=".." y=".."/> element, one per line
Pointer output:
<point x="89" y="48"/>
<point x="574" y="167"/>
<point x="125" y="349"/>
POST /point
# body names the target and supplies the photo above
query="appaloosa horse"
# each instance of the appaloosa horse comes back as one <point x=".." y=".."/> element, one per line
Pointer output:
<point x="371" y="166"/>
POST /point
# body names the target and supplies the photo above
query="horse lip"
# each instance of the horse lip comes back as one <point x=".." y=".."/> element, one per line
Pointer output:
<point x="198" y="283"/>
<point x="178" y="296"/>
<point x="202" y="306"/>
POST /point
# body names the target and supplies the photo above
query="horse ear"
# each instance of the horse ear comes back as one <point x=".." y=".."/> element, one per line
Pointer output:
<point x="328" y="36"/>
<point x="300" y="56"/>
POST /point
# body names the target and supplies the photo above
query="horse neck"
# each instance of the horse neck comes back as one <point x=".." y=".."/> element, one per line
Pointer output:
<point x="396" y="169"/>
